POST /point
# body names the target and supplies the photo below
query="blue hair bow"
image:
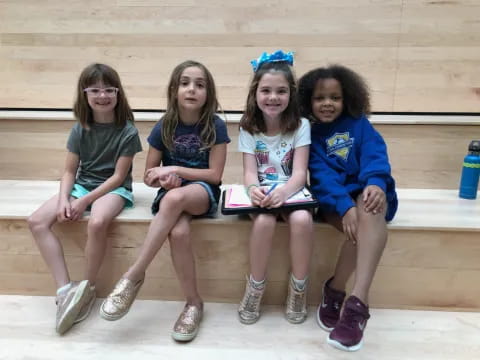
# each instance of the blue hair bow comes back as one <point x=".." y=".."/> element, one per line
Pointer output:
<point x="276" y="56"/>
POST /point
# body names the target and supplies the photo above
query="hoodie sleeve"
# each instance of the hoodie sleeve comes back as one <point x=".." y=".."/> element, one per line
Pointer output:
<point x="326" y="182"/>
<point x="374" y="164"/>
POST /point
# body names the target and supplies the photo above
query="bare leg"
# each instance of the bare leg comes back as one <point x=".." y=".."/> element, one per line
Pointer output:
<point x="301" y="230"/>
<point x="372" y="237"/>
<point x="40" y="223"/>
<point x="184" y="260"/>
<point x="261" y="238"/>
<point x="347" y="259"/>
<point x="104" y="210"/>
<point x="191" y="199"/>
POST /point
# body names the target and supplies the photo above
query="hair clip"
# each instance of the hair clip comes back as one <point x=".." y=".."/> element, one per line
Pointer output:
<point x="276" y="56"/>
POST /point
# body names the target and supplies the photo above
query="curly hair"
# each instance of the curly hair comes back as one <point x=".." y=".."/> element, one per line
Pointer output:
<point x="252" y="120"/>
<point x="90" y="75"/>
<point x="172" y="115"/>
<point x="355" y="91"/>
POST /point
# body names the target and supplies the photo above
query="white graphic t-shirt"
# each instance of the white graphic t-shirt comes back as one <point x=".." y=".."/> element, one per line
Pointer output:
<point x="274" y="154"/>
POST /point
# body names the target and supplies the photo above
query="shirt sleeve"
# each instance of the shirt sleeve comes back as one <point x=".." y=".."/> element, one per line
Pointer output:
<point x="73" y="143"/>
<point x="155" y="137"/>
<point x="132" y="143"/>
<point x="246" y="142"/>
<point x="374" y="164"/>
<point x="302" y="136"/>
<point x="221" y="134"/>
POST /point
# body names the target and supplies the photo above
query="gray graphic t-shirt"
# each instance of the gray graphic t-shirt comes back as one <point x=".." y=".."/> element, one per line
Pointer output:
<point x="99" y="149"/>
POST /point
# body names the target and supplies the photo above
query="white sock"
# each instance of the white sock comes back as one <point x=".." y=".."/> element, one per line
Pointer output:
<point x="299" y="284"/>
<point x="64" y="288"/>
<point x="259" y="285"/>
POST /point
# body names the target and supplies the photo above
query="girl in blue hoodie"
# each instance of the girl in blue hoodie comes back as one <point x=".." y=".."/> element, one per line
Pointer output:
<point x="350" y="176"/>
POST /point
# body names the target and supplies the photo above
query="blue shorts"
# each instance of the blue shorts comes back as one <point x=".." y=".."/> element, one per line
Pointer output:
<point x="213" y="195"/>
<point x="79" y="191"/>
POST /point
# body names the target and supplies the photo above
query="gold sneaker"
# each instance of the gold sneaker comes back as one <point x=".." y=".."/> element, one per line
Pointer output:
<point x="188" y="323"/>
<point x="249" y="309"/>
<point x="87" y="305"/>
<point x="296" y="307"/>
<point x="120" y="299"/>
<point x="69" y="305"/>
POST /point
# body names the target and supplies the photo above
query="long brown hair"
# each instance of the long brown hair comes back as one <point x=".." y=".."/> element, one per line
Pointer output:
<point x="172" y="115"/>
<point x="252" y="119"/>
<point x="106" y="74"/>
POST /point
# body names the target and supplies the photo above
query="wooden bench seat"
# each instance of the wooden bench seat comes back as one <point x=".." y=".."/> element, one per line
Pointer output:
<point x="431" y="259"/>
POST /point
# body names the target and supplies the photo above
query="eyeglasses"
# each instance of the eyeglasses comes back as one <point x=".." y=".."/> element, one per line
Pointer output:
<point x="95" y="92"/>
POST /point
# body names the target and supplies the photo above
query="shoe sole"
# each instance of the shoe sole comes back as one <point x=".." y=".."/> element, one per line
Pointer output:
<point x="90" y="305"/>
<point x="73" y="308"/>
<point x="319" y="321"/>
<point x="247" y="322"/>
<point x="293" y="321"/>
<point x="339" y="346"/>
<point x="184" y="337"/>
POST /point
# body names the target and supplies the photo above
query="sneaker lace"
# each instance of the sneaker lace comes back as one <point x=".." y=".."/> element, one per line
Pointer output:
<point x="251" y="302"/>
<point x="295" y="302"/>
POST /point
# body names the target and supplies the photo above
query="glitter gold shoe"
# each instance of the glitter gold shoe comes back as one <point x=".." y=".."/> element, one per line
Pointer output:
<point x="188" y="323"/>
<point x="249" y="309"/>
<point x="296" y="304"/>
<point x="120" y="299"/>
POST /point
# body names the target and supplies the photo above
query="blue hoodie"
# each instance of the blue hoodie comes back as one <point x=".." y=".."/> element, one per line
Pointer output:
<point x="346" y="156"/>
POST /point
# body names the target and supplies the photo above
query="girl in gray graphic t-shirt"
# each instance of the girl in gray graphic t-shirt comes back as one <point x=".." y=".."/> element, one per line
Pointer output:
<point x="97" y="177"/>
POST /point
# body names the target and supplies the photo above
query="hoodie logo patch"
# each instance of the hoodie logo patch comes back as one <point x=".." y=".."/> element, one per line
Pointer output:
<point x="340" y="144"/>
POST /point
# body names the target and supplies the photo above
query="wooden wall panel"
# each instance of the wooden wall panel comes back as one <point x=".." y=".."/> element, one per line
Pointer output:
<point x="417" y="55"/>
<point x="422" y="156"/>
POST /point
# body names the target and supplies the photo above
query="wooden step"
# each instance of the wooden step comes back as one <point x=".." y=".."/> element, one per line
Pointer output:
<point x="431" y="259"/>
<point x="27" y="330"/>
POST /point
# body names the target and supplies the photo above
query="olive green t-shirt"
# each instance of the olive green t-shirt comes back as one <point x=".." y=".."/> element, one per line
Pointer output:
<point x="99" y="149"/>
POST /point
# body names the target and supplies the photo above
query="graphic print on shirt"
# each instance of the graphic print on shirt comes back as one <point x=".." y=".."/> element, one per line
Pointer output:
<point x="187" y="151"/>
<point x="339" y="145"/>
<point x="287" y="163"/>
<point x="261" y="153"/>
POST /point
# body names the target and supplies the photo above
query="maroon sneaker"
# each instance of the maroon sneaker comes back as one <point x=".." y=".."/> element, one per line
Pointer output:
<point x="328" y="311"/>
<point x="347" y="334"/>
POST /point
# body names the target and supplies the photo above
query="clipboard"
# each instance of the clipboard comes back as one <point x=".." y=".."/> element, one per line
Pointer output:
<point x="236" y="201"/>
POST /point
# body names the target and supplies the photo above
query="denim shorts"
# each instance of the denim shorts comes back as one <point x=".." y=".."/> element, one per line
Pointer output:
<point x="213" y="195"/>
<point x="79" y="191"/>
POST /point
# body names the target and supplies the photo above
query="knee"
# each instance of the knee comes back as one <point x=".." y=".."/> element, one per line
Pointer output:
<point x="265" y="220"/>
<point x="173" y="199"/>
<point x="302" y="219"/>
<point x="179" y="237"/>
<point x="97" y="223"/>
<point x="36" y="223"/>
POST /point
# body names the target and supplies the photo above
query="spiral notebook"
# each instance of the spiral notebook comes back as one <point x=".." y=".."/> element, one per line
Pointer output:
<point x="236" y="201"/>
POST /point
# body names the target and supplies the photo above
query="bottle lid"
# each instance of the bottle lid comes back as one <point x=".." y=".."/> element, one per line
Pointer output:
<point x="474" y="146"/>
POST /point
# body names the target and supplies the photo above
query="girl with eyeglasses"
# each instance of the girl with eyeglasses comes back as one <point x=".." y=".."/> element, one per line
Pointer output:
<point x="98" y="178"/>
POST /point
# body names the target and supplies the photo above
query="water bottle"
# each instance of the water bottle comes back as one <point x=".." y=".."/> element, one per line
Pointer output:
<point x="470" y="172"/>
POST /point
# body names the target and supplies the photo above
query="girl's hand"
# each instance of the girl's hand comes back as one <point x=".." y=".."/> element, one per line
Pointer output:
<point x="64" y="211"/>
<point x="172" y="181"/>
<point x="275" y="199"/>
<point x="350" y="224"/>
<point x="374" y="199"/>
<point x="256" y="195"/>
<point x="78" y="206"/>
<point x="154" y="175"/>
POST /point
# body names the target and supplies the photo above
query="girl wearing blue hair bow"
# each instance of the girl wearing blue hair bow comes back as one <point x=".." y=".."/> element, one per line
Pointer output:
<point x="275" y="143"/>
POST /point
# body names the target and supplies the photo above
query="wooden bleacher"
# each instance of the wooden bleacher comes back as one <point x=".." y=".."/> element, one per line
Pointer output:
<point x="431" y="259"/>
